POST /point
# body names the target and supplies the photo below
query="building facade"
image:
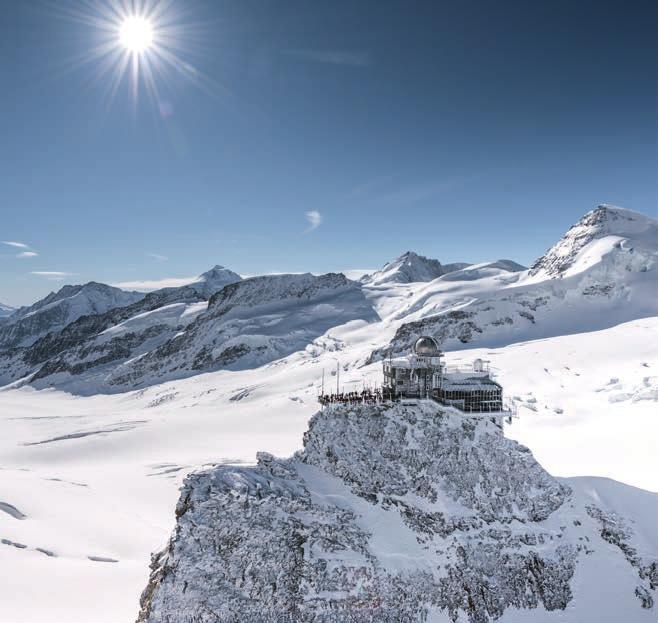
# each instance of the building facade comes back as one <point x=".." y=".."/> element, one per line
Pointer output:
<point x="422" y="374"/>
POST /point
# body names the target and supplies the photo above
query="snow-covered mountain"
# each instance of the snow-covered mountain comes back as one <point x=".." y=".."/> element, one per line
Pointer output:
<point x="410" y="268"/>
<point x="27" y="324"/>
<point x="5" y="310"/>
<point x="94" y="343"/>
<point x="244" y="325"/>
<point x="603" y="272"/>
<point x="213" y="280"/>
<point x="89" y="482"/>
<point x="405" y="513"/>
<point x="604" y="231"/>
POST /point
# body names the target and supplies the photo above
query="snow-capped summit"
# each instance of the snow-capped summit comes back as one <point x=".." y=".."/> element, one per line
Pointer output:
<point x="58" y="309"/>
<point x="603" y="229"/>
<point x="600" y="274"/>
<point x="410" y="268"/>
<point x="213" y="280"/>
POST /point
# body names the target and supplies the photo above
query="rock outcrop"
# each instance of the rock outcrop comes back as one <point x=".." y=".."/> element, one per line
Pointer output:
<point x="389" y="514"/>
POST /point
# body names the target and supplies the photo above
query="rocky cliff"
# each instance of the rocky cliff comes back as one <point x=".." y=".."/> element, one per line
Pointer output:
<point x="398" y="514"/>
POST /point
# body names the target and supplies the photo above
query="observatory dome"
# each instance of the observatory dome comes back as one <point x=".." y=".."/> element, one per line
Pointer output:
<point x="426" y="347"/>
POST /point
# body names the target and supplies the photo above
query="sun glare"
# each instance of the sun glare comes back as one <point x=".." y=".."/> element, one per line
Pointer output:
<point x="136" y="34"/>
<point x="141" y="42"/>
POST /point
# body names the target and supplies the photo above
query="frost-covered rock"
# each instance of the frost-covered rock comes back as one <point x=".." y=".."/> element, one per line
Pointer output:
<point x="409" y="268"/>
<point x="389" y="514"/>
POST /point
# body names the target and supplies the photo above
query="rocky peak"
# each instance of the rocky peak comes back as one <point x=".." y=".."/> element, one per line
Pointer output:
<point x="390" y="513"/>
<point x="606" y="220"/>
<point x="411" y="267"/>
<point x="213" y="280"/>
<point x="61" y="308"/>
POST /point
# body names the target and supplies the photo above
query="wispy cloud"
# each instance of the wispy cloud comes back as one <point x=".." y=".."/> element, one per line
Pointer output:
<point x="52" y="275"/>
<point x="27" y="251"/>
<point x="17" y="245"/>
<point x="147" y="285"/>
<point x="347" y="58"/>
<point x="157" y="256"/>
<point x="314" y="219"/>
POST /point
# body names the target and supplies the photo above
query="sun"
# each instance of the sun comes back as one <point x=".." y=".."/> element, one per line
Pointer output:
<point x="136" y="34"/>
<point x="145" y="44"/>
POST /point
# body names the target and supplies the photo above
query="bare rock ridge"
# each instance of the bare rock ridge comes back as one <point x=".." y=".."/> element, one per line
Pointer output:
<point x="394" y="514"/>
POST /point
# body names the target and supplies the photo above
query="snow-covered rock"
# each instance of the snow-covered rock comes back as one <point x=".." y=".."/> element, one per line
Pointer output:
<point x="404" y="514"/>
<point x="27" y="324"/>
<point x="410" y="268"/>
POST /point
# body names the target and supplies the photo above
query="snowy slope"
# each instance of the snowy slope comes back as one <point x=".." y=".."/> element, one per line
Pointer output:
<point x="95" y="343"/>
<point x="597" y="234"/>
<point x="411" y="267"/>
<point x="587" y="405"/>
<point x="404" y="513"/>
<point x="131" y="450"/>
<point x="602" y="273"/>
<point x="58" y="309"/>
<point x="173" y="334"/>
<point x="252" y="323"/>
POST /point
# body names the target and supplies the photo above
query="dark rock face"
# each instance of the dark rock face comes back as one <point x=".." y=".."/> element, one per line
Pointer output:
<point x="388" y="514"/>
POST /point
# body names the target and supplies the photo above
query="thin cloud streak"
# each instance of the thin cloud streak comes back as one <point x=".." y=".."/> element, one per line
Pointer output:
<point x="52" y="275"/>
<point x="26" y="254"/>
<point x="157" y="256"/>
<point x="148" y="285"/>
<point x="314" y="219"/>
<point x="18" y="245"/>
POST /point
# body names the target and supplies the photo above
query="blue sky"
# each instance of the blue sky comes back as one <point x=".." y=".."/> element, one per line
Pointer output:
<point x="465" y="131"/>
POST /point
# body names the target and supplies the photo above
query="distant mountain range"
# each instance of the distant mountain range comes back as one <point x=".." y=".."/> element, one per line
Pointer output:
<point x="96" y="338"/>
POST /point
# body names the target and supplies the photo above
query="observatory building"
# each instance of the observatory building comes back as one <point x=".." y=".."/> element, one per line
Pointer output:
<point x="422" y="374"/>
